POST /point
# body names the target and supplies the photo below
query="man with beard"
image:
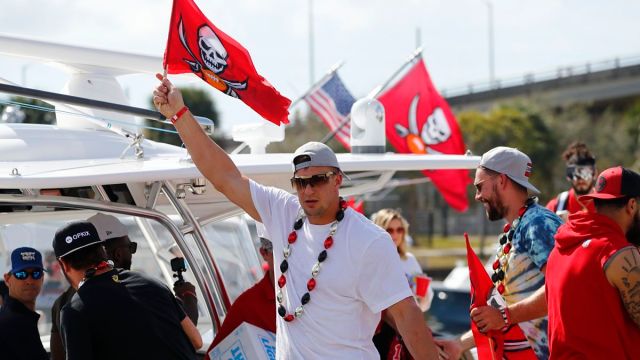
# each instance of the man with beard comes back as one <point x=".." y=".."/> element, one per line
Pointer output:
<point x="120" y="250"/>
<point x="116" y="313"/>
<point x="502" y="186"/>
<point x="581" y="173"/>
<point x="19" y="337"/>
<point x="593" y="282"/>
<point x="333" y="269"/>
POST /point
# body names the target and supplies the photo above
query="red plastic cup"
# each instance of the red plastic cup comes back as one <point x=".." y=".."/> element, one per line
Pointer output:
<point x="422" y="285"/>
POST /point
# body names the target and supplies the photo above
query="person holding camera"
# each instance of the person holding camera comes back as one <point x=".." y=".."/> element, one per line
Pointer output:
<point x="120" y="250"/>
<point x="117" y="313"/>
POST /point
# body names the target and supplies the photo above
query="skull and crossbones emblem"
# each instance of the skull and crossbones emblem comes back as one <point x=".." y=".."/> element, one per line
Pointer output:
<point x="434" y="131"/>
<point x="214" y="60"/>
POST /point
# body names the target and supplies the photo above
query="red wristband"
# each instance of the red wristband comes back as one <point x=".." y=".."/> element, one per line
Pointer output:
<point x="177" y="116"/>
<point x="191" y="293"/>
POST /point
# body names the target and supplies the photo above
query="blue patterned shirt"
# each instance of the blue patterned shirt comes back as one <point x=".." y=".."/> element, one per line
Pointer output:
<point x="532" y="244"/>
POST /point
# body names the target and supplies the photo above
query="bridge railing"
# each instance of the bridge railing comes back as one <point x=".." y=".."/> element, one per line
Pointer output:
<point x="530" y="78"/>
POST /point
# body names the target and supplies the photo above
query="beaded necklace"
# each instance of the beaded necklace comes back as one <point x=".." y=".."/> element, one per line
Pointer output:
<point x="504" y="249"/>
<point x="315" y="270"/>
<point x="91" y="272"/>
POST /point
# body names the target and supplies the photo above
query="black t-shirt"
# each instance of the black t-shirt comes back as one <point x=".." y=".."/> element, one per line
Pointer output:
<point x="123" y="314"/>
<point x="19" y="337"/>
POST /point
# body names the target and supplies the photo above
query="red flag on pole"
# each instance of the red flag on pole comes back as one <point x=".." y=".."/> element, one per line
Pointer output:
<point x="418" y="120"/>
<point x="195" y="45"/>
<point x="510" y="343"/>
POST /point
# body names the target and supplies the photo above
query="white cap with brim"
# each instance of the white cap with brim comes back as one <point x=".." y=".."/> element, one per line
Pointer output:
<point x="511" y="162"/>
<point x="108" y="226"/>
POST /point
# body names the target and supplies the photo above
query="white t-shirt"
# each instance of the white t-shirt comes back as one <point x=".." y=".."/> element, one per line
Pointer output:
<point x="410" y="265"/>
<point x="356" y="282"/>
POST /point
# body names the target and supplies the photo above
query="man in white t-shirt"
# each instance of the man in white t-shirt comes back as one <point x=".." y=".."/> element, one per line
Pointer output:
<point x="333" y="271"/>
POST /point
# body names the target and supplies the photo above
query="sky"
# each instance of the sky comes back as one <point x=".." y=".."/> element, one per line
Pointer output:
<point x="372" y="37"/>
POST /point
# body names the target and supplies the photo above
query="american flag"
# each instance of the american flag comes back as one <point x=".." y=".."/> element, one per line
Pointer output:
<point x="332" y="103"/>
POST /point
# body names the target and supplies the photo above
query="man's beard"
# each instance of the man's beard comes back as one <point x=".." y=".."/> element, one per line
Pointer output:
<point x="582" y="191"/>
<point x="496" y="210"/>
<point x="633" y="234"/>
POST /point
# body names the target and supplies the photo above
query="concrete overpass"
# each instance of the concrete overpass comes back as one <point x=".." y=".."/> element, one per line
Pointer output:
<point x="605" y="81"/>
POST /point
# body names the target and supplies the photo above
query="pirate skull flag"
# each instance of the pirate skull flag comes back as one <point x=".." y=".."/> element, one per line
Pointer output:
<point x="196" y="45"/>
<point x="419" y="121"/>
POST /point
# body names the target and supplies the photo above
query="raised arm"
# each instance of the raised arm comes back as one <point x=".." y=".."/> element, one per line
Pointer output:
<point x="623" y="271"/>
<point x="212" y="161"/>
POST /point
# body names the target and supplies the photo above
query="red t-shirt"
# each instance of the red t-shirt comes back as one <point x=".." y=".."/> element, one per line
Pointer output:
<point x="587" y="319"/>
<point x="256" y="306"/>
<point x="572" y="205"/>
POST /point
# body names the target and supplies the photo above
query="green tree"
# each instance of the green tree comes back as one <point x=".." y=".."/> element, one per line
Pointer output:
<point x="516" y="126"/>
<point x="34" y="115"/>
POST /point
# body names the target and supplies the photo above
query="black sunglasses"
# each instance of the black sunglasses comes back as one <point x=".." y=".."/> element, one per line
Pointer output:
<point x="301" y="182"/>
<point x="24" y="274"/>
<point x="133" y="247"/>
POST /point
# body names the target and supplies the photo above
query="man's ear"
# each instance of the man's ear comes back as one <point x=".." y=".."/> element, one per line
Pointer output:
<point x="503" y="181"/>
<point x="63" y="264"/>
<point x="339" y="178"/>
<point x="632" y="206"/>
<point x="6" y="278"/>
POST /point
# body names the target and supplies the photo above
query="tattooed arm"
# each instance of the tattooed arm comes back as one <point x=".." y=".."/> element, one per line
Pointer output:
<point x="623" y="271"/>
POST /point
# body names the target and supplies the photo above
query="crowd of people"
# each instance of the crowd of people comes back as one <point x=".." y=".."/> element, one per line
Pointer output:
<point x="341" y="286"/>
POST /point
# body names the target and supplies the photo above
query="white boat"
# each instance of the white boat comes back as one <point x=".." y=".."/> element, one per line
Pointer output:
<point x="92" y="161"/>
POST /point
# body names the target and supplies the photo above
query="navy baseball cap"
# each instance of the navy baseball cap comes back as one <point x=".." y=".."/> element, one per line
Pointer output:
<point x="75" y="236"/>
<point x="25" y="258"/>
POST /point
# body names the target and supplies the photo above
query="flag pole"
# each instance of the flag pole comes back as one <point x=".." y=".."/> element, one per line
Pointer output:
<point x="375" y="92"/>
<point x="313" y="87"/>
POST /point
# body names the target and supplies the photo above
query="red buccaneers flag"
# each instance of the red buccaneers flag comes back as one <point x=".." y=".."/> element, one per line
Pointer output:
<point x="196" y="45"/>
<point x="510" y="344"/>
<point x="419" y="121"/>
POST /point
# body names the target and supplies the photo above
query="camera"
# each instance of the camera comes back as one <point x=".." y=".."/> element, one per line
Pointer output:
<point x="178" y="266"/>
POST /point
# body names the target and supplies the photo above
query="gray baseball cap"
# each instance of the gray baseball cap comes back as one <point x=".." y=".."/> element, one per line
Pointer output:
<point x="511" y="162"/>
<point x="314" y="154"/>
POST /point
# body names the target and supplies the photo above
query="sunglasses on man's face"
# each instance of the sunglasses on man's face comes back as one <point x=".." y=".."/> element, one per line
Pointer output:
<point x="24" y="274"/>
<point x="133" y="247"/>
<point x="581" y="172"/>
<point x="301" y="182"/>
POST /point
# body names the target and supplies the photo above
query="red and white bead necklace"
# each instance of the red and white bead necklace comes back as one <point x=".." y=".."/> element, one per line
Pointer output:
<point x="315" y="270"/>
<point x="504" y="249"/>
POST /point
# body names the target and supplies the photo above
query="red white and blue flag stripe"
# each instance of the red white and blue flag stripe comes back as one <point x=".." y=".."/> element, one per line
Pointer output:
<point x="332" y="102"/>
